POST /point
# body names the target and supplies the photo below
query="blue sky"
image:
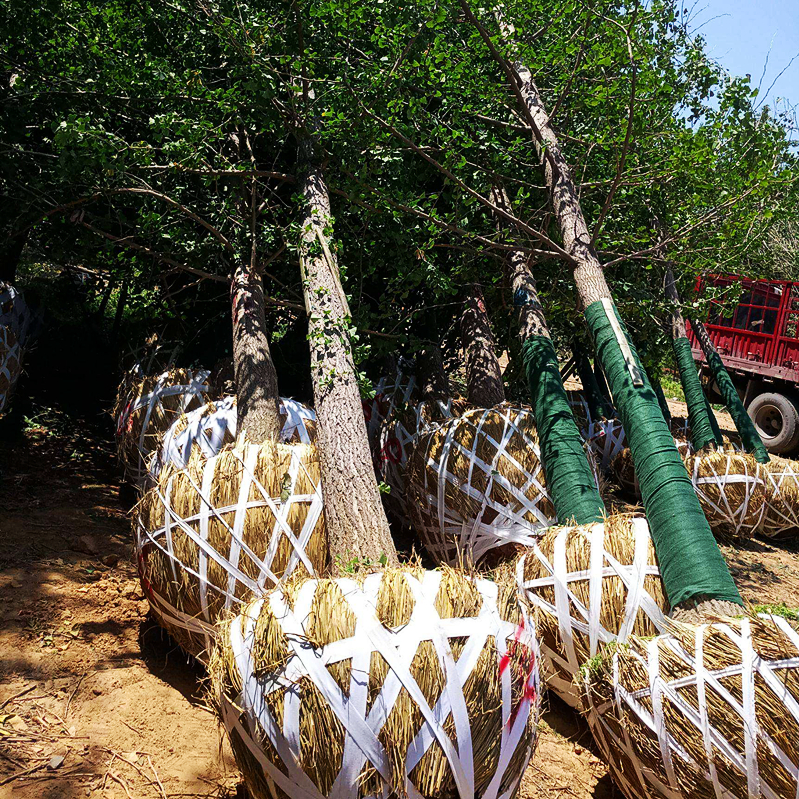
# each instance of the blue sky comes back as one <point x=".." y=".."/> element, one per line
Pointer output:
<point x="740" y="33"/>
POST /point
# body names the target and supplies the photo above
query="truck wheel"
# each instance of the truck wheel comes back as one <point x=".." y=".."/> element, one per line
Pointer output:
<point x="777" y="421"/>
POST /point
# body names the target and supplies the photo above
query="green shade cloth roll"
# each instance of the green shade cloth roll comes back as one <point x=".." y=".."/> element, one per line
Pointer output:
<point x="593" y="395"/>
<point x="700" y="413"/>
<point x="749" y="435"/>
<point x="690" y="562"/>
<point x="569" y="478"/>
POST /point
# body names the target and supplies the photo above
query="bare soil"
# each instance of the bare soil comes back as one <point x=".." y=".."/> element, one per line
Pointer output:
<point x="96" y="702"/>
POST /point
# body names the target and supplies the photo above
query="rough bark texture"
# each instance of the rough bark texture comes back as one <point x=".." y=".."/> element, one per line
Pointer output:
<point x="431" y="374"/>
<point x="258" y="402"/>
<point x="483" y="374"/>
<point x="678" y="329"/>
<point x="531" y="319"/>
<point x="356" y="522"/>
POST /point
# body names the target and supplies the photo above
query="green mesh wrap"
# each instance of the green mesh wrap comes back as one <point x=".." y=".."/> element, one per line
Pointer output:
<point x="714" y="422"/>
<point x="661" y="397"/>
<point x="593" y="395"/>
<point x="569" y="479"/>
<point x="749" y="435"/>
<point x="603" y="386"/>
<point x="700" y="413"/>
<point x="689" y="558"/>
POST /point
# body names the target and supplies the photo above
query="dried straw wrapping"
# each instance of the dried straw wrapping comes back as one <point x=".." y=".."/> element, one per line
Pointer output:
<point x="705" y="712"/>
<point x="147" y="407"/>
<point x="589" y="586"/>
<point x="224" y="530"/>
<point x="781" y="514"/>
<point x="214" y="426"/>
<point x="731" y="488"/>
<point x="400" y="683"/>
<point x="10" y="365"/>
<point x="398" y="434"/>
<point x="605" y="437"/>
<point x="477" y="483"/>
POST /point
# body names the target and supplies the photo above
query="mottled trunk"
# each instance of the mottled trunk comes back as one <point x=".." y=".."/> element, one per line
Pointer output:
<point x="257" y="399"/>
<point x="431" y="374"/>
<point x="483" y="374"/>
<point x="678" y="329"/>
<point x="356" y="522"/>
<point x="593" y="288"/>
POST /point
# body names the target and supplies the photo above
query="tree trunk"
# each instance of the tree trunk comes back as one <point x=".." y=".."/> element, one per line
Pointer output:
<point x="357" y="527"/>
<point x="257" y="398"/>
<point x="483" y="374"/>
<point x="678" y="329"/>
<point x="10" y="256"/>
<point x="570" y="481"/>
<point x="676" y="518"/>
<point x="431" y="374"/>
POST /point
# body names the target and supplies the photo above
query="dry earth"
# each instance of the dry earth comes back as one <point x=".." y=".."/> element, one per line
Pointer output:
<point x="96" y="702"/>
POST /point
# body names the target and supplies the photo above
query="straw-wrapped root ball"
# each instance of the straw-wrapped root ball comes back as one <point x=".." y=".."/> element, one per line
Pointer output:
<point x="404" y="682"/>
<point x="781" y="511"/>
<point x="705" y="711"/>
<point x="10" y="366"/>
<point x="210" y="428"/>
<point x="731" y="488"/>
<point x="226" y="529"/>
<point x="397" y="436"/>
<point x="588" y="586"/>
<point x="146" y="407"/>
<point x="477" y="485"/>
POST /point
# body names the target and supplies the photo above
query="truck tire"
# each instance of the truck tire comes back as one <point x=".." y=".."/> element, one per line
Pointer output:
<point x="777" y="421"/>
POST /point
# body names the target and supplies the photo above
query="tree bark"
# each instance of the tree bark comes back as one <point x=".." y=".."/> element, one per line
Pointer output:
<point x="678" y="329"/>
<point x="483" y="374"/>
<point x="431" y="374"/>
<point x="588" y="274"/>
<point x="257" y="398"/>
<point x="357" y="527"/>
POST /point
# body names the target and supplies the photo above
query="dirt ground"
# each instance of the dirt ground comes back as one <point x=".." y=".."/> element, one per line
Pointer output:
<point x="96" y="702"/>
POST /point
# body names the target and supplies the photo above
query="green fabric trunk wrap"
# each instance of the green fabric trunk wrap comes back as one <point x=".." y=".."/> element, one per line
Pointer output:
<point x="661" y="397"/>
<point x="569" y="478"/>
<point x="593" y="395"/>
<point x="699" y="411"/>
<point x="603" y="385"/>
<point x="714" y="422"/>
<point x="689" y="558"/>
<point x="749" y="435"/>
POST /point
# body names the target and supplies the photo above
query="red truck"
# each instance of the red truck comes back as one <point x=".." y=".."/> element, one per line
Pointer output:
<point x="757" y="337"/>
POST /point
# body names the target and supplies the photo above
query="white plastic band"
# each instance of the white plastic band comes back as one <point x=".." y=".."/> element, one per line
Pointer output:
<point x="646" y="707"/>
<point x="362" y="746"/>
<point x="238" y="586"/>
<point x="571" y="614"/>
<point x="213" y="426"/>
<point x="10" y="364"/>
<point x="446" y="532"/>
<point x="781" y="513"/>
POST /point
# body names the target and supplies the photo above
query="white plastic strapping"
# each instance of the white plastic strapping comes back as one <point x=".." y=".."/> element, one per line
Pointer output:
<point x="10" y="365"/>
<point x="730" y="515"/>
<point x="448" y="533"/>
<point x="781" y="513"/>
<point x="240" y="587"/>
<point x="574" y="617"/>
<point x="190" y="393"/>
<point x="215" y="425"/>
<point x="669" y="711"/>
<point x="361" y="720"/>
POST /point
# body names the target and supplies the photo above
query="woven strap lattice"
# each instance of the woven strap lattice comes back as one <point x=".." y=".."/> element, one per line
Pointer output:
<point x="10" y="365"/>
<point x="475" y="490"/>
<point x="731" y="489"/>
<point x="581" y="632"/>
<point x="390" y="394"/>
<point x="212" y="427"/>
<point x="15" y="313"/>
<point x="240" y="586"/>
<point x="149" y="404"/>
<point x="362" y="725"/>
<point x="658" y="737"/>
<point x="781" y="513"/>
